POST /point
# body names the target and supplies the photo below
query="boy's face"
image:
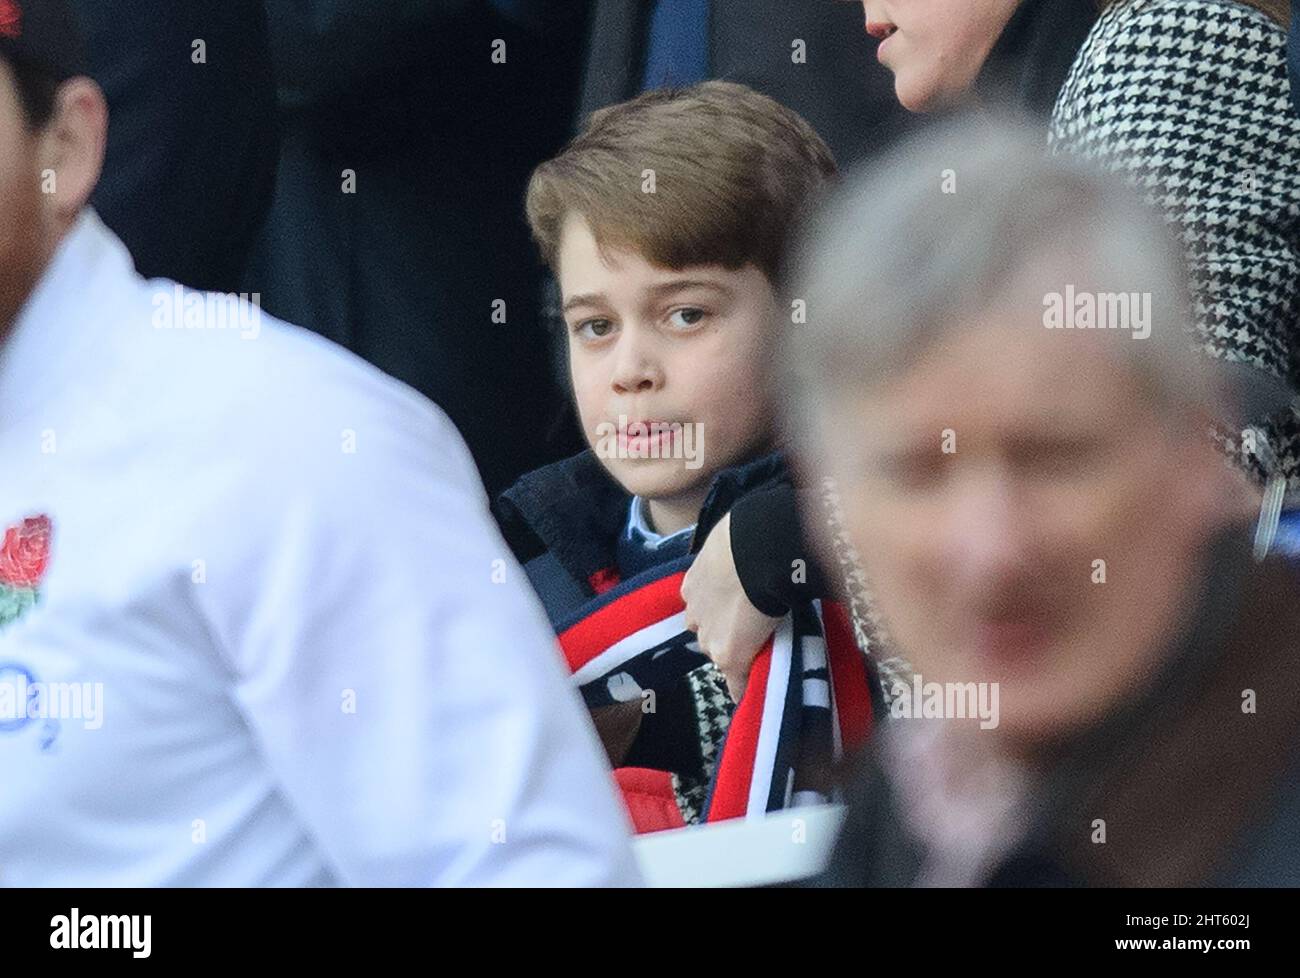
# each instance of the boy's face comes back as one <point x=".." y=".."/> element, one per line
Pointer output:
<point x="935" y="48"/>
<point x="684" y="348"/>
<point x="1026" y="517"/>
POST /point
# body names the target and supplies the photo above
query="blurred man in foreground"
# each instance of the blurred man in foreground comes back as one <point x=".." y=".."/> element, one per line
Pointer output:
<point x="256" y="626"/>
<point x="1106" y="686"/>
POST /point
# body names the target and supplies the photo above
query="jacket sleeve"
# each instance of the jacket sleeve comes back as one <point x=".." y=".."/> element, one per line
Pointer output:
<point x="775" y="564"/>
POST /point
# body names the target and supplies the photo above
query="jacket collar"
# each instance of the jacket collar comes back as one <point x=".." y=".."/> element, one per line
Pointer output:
<point x="577" y="510"/>
<point x="53" y="336"/>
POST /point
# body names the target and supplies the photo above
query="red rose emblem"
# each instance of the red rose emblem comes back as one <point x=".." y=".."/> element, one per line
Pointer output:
<point x="11" y="19"/>
<point x="26" y="550"/>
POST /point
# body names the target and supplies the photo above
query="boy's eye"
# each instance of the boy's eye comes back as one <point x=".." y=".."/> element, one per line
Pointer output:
<point x="686" y="318"/>
<point x="594" y="329"/>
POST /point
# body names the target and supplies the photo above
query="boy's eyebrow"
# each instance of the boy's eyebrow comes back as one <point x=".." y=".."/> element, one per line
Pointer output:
<point x="583" y="299"/>
<point x="681" y="284"/>
<point x="655" y="292"/>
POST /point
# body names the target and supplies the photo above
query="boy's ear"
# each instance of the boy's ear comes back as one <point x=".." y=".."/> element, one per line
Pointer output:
<point x="71" y="150"/>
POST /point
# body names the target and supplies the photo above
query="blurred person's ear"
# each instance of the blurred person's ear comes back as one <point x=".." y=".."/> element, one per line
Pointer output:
<point x="1220" y="492"/>
<point x="1247" y="394"/>
<point x="1235" y="495"/>
<point x="71" y="150"/>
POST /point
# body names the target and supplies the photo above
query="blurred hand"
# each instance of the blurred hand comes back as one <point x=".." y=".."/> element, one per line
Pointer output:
<point x="730" y="629"/>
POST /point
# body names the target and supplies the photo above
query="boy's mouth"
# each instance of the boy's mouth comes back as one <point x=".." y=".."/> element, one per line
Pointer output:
<point x="647" y="432"/>
<point x="644" y="425"/>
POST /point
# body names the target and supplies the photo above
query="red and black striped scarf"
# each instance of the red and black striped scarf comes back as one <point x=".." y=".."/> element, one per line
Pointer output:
<point x="807" y="702"/>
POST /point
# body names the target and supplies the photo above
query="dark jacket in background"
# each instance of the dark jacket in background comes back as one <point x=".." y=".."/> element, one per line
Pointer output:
<point x="192" y="147"/>
<point x="406" y="271"/>
<point x="842" y="90"/>
<point x="1293" y="55"/>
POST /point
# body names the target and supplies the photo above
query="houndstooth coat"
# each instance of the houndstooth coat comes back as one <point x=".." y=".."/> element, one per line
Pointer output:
<point x="1189" y="100"/>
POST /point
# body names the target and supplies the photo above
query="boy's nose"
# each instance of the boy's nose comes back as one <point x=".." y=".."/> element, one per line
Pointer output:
<point x="636" y="370"/>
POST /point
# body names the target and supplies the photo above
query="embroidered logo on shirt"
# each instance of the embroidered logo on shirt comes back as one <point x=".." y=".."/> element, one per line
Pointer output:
<point x="24" y="556"/>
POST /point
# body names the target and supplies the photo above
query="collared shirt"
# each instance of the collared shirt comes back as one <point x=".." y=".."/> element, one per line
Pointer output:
<point x="964" y="803"/>
<point x="261" y="626"/>
<point x="640" y="547"/>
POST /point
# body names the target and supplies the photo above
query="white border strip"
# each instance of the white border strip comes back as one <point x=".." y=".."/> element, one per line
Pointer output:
<point x="625" y="649"/>
<point x="769" y="731"/>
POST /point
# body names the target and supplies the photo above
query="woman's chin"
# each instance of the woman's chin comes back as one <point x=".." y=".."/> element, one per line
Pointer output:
<point x="922" y="96"/>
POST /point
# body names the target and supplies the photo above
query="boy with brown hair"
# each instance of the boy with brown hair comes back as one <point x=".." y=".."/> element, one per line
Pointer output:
<point x="664" y="222"/>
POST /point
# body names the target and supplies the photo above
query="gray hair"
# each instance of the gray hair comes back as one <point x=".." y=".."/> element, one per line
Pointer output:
<point x="964" y="221"/>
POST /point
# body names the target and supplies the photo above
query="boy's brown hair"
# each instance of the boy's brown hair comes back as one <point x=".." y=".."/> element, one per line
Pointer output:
<point x="734" y="172"/>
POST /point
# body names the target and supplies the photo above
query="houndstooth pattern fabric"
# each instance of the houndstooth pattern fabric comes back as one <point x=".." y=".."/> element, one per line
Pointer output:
<point x="713" y="709"/>
<point x="1189" y="101"/>
<point x="868" y="629"/>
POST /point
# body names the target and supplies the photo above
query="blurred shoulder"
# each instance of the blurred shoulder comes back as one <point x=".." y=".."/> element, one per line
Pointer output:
<point x="1185" y="64"/>
<point x="1187" y="38"/>
<point x="1219" y="19"/>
